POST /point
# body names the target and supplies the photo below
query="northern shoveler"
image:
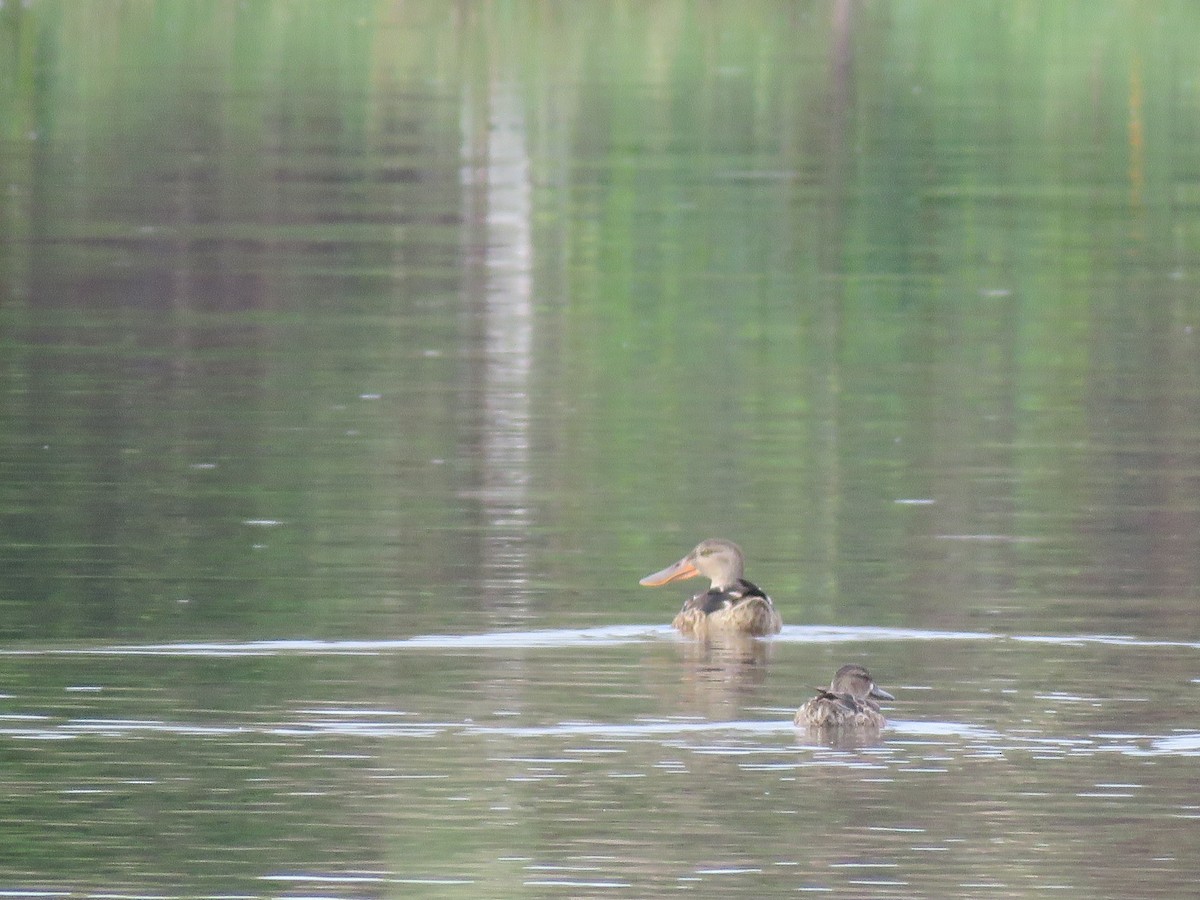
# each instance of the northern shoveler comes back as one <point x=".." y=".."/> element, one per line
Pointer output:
<point x="731" y="604"/>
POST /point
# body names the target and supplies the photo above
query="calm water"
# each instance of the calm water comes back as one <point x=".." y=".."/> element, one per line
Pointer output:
<point x="357" y="361"/>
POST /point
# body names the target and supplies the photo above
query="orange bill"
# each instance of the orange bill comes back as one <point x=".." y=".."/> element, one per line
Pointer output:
<point x="682" y="569"/>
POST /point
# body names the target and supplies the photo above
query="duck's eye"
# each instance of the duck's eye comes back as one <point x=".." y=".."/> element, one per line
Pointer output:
<point x="707" y="551"/>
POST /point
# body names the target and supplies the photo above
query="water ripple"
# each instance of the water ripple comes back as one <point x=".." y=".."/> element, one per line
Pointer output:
<point x="752" y="736"/>
<point x="613" y="635"/>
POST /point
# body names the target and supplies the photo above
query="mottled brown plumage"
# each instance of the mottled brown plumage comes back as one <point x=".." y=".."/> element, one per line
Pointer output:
<point x="848" y="703"/>
<point x="731" y="604"/>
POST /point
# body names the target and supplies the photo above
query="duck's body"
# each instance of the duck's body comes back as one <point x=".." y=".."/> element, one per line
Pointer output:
<point x="742" y="607"/>
<point x="731" y="604"/>
<point x="849" y="702"/>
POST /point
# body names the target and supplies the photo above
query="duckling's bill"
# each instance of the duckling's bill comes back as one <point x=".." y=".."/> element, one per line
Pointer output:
<point x="878" y="692"/>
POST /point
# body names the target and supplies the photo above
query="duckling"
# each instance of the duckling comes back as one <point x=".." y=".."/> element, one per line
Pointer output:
<point x="848" y="703"/>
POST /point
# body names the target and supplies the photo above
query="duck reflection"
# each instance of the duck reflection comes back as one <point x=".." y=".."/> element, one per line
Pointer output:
<point x="720" y="673"/>
<point x="730" y="659"/>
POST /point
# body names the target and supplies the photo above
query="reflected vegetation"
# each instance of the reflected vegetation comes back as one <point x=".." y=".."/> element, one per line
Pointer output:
<point x="649" y="274"/>
<point x="357" y="357"/>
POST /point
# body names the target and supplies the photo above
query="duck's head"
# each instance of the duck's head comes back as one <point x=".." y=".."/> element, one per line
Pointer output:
<point x="856" y="681"/>
<point x="718" y="560"/>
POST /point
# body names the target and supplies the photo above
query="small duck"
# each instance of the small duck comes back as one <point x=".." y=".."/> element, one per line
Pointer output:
<point x="847" y="703"/>
<point x="731" y="604"/>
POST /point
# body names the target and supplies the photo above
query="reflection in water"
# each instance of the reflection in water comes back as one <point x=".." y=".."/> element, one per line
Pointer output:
<point x="925" y="303"/>
<point x="842" y="737"/>
<point x="734" y="661"/>
<point x="637" y="758"/>
<point x="719" y="675"/>
<point x="502" y="187"/>
<point x="1178" y="743"/>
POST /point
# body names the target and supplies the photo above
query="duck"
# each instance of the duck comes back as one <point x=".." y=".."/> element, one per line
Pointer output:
<point x="849" y="702"/>
<point x="731" y="604"/>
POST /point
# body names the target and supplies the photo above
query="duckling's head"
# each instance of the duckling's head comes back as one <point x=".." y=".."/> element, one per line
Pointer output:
<point x="856" y="681"/>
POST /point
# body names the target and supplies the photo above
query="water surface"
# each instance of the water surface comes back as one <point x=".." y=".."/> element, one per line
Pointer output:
<point x="359" y="360"/>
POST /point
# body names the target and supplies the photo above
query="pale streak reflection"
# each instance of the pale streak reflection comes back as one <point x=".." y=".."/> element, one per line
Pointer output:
<point x="501" y="184"/>
<point x="497" y="187"/>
